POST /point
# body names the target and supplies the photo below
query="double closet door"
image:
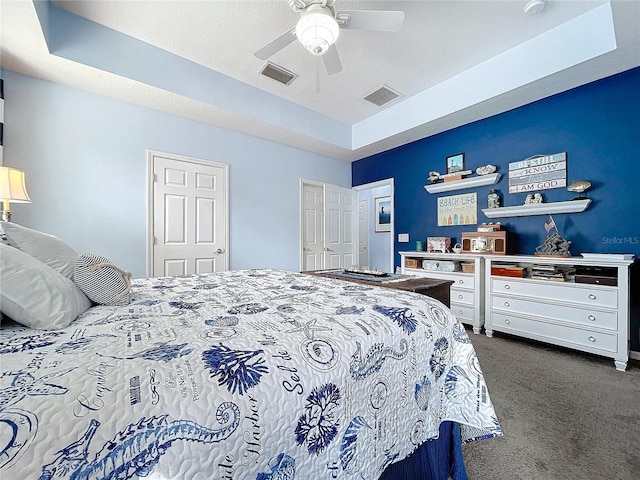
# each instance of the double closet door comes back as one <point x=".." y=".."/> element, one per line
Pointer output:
<point x="329" y="237"/>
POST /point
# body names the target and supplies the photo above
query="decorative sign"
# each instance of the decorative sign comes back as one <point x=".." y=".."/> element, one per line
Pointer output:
<point x="458" y="210"/>
<point x="541" y="172"/>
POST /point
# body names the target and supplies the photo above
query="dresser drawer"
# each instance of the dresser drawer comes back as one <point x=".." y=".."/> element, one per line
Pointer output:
<point x="583" y="294"/>
<point x="588" y="317"/>
<point x="464" y="313"/>
<point x="461" y="296"/>
<point x="459" y="279"/>
<point x="464" y="281"/>
<point x="573" y="337"/>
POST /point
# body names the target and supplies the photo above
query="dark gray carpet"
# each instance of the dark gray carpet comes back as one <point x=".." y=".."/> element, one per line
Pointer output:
<point x="565" y="415"/>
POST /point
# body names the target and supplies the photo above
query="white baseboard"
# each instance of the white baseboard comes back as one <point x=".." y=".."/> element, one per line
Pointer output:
<point x="634" y="355"/>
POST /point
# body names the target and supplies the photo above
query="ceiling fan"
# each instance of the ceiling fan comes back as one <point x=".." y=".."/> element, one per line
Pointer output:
<point x="319" y="26"/>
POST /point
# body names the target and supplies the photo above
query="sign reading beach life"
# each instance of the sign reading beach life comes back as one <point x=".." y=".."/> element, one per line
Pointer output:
<point x="541" y="172"/>
<point x="458" y="210"/>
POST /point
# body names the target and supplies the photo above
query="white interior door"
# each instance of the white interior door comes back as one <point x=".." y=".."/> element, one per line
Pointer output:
<point x="363" y="233"/>
<point x="312" y="227"/>
<point x="339" y="226"/>
<point x="188" y="217"/>
<point x="328" y="229"/>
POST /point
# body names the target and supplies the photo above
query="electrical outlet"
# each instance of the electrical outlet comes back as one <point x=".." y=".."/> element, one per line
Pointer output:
<point x="403" y="237"/>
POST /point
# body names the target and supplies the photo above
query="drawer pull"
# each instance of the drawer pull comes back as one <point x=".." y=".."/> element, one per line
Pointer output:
<point x="507" y="321"/>
<point x="460" y="297"/>
<point x="507" y="304"/>
<point x="460" y="312"/>
<point x="592" y="338"/>
<point x="461" y="282"/>
<point x="592" y="296"/>
<point x="507" y="287"/>
<point x="592" y="318"/>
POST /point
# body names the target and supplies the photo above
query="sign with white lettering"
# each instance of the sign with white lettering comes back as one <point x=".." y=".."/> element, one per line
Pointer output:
<point x="541" y="172"/>
<point x="458" y="210"/>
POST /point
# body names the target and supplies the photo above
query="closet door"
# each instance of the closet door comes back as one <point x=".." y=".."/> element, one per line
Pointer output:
<point x="328" y="226"/>
<point x="188" y="216"/>
<point x="340" y="227"/>
<point x="312" y="226"/>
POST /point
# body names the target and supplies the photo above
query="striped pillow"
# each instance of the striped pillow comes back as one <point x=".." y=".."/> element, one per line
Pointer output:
<point x="101" y="281"/>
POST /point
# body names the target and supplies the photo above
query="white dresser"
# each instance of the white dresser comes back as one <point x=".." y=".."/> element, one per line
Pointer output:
<point x="585" y="316"/>
<point x="467" y="292"/>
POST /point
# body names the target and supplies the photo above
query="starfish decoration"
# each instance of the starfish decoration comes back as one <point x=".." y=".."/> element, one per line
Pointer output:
<point x="310" y="328"/>
<point x="24" y="384"/>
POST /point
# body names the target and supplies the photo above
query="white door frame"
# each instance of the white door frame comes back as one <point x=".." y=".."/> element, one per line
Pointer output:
<point x="383" y="183"/>
<point x="365" y="225"/>
<point x="151" y="154"/>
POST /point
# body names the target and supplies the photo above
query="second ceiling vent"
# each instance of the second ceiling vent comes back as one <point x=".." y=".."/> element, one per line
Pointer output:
<point x="382" y="95"/>
<point x="278" y="73"/>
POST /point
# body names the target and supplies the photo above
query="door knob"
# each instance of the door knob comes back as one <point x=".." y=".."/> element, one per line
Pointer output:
<point x="220" y="250"/>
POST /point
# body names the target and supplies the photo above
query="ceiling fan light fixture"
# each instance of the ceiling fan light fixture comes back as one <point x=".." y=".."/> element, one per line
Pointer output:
<point x="534" y="6"/>
<point x="317" y="30"/>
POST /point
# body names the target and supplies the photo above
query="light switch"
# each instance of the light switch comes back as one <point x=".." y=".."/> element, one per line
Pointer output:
<point x="403" y="237"/>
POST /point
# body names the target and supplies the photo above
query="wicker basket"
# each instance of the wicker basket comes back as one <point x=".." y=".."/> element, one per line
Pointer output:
<point x="468" y="267"/>
<point x="411" y="262"/>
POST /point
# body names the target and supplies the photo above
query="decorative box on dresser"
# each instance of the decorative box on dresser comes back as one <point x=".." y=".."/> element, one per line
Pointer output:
<point x="591" y="315"/>
<point x="467" y="291"/>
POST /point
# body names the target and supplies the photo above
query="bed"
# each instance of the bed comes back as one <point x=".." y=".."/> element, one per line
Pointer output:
<point x="251" y="374"/>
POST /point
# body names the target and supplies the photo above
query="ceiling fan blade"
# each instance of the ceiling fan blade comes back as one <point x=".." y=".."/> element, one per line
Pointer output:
<point x="332" y="60"/>
<point x="277" y="44"/>
<point x="375" y="20"/>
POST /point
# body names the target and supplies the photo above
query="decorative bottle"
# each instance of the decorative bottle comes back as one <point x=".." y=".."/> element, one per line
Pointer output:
<point x="493" y="199"/>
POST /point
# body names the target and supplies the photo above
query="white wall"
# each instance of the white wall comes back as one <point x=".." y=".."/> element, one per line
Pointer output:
<point x="85" y="158"/>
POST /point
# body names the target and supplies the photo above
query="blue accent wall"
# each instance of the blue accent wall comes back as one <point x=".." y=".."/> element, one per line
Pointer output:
<point x="598" y="125"/>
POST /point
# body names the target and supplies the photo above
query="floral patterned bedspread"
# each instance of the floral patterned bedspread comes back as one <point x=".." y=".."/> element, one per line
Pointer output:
<point x="253" y="374"/>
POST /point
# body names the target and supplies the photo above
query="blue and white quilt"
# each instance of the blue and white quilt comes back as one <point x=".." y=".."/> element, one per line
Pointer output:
<point x="253" y="374"/>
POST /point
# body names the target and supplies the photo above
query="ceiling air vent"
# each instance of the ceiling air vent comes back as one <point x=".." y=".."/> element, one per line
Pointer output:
<point x="278" y="73"/>
<point x="382" y="95"/>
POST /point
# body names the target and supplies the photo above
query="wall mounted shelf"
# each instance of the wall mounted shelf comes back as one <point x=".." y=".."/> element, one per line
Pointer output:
<point x="572" y="206"/>
<point x="471" y="182"/>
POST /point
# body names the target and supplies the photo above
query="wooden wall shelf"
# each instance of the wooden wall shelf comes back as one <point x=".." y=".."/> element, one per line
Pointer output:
<point x="471" y="182"/>
<point x="572" y="206"/>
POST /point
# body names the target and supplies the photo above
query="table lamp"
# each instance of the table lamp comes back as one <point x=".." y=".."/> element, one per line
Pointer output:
<point x="12" y="189"/>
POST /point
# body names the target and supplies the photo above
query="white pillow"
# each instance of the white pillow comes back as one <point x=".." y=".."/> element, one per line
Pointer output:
<point x="34" y="294"/>
<point x="47" y="248"/>
<point x="101" y="280"/>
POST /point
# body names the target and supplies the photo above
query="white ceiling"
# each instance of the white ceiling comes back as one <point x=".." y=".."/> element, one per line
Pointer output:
<point x="453" y="61"/>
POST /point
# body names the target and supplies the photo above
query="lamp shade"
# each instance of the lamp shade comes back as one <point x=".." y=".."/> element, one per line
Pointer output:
<point x="12" y="186"/>
<point x="317" y="30"/>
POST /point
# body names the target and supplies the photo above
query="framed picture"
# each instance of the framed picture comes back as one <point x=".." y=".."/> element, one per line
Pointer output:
<point x="383" y="214"/>
<point x="455" y="163"/>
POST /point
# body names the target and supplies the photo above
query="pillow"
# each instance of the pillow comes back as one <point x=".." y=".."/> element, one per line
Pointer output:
<point x="34" y="294"/>
<point x="101" y="280"/>
<point x="47" y="248"/>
